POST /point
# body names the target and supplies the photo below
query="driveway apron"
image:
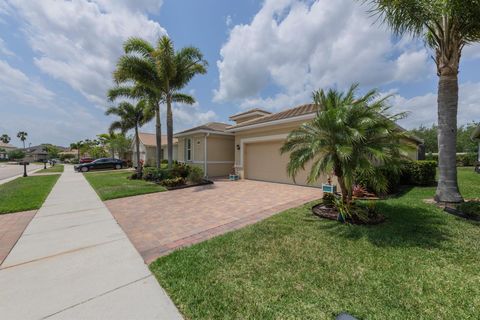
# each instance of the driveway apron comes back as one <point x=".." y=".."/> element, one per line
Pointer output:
<point x="74" y="262"/>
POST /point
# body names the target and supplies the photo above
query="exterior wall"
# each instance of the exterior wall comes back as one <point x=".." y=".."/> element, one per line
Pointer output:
<point x="220" y="153"/>
<point x="148" y="154"/>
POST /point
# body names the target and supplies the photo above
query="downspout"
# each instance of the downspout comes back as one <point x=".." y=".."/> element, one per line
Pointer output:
<point x="205" y="162"/>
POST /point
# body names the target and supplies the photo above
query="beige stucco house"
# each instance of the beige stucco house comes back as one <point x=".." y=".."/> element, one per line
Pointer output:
<point x="252" y="144"/>
<point x="148" y="149"/>
<point x="209" y="147"/>
<point x="5" y="148"/>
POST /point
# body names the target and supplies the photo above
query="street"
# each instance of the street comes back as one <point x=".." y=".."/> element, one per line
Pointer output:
<point x="10" y="170"/>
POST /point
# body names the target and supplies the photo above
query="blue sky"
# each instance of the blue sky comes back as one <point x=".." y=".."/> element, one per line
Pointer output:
<point x="56" y="59"/>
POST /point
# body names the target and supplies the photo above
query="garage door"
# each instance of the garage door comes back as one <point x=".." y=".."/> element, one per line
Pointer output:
<point x="263" y="161"/>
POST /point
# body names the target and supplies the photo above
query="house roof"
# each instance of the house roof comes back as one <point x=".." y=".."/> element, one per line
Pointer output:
<point x="40" y="149"/>
<point x="149" y="139"/>
<point x="248" y="113"/>
<point x="289" y="113"/>
<point x="213" y="127"/>
<point x="7" y="145"/>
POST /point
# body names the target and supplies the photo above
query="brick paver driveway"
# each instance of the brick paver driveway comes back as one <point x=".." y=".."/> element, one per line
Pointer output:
<point x="161" y="222"/>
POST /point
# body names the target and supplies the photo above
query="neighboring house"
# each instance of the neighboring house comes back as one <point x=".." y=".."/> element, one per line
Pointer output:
<point x="38" y="153"/>
<point x="208" y="146"/>
<point x="148" y="149"/>
<point x="476" y="137"/>
<point x="5" y="148"/>
<point x="254" y="142"/>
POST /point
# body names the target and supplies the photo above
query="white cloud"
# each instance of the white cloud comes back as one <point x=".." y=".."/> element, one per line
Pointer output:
<point x="301" y="46"/>
<point x="423" y="109"/>
<point x="79" y="41"/>
<point x="17" y="87"/>
<point x="4" y="49"/>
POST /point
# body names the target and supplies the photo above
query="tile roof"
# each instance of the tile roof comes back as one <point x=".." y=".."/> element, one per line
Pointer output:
<point x="6" y="145"/>
<point x="211" y="126"/>
<point x="289" y="113"/>
<point x="249" y="111"/>
<point x="149" y="139"/>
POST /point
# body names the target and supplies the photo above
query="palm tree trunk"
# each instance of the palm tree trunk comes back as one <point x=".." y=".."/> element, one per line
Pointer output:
<point x="158" y="133"/>
<point x="343" y="188"/>
<point x="137" y="146"/>
<point x="447" y="188"/>
<point x="169" y="131"/>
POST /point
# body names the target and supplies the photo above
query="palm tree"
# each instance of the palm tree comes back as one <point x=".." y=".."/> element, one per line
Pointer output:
<point x="162" y="72"/>
<point x="349" y="135"/>
<point x="77" y="145"/>
<point x="5" y="138"/>
<point x="446" y="26"/>
<point x="22" y="135"/>
<point x="131" y="117"/>
<point x="107" y="140"/>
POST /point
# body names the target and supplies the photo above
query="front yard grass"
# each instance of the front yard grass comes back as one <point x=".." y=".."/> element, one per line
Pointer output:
<point x="27" y="193"/>
<point x="57" y="168"/>
<point x="113" y="185"/>
<point x="420" y="264"/>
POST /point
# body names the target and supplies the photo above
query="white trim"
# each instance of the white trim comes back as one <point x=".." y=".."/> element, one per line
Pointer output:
<point x="209" y="162"/>
<point x="275" y="137"/>
<point x="307" y="116"/>
<point x="182" y="134"/>
<point x="205" y="158"/>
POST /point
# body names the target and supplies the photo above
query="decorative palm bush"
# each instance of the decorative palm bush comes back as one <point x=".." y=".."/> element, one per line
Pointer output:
<point x="349" y="134"/>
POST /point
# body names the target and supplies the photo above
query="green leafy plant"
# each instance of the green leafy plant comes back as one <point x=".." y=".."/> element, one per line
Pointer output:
<point x="173" y="182"/>
<point x="328" y="199"/>
<point x="195" y="175"/>
<point x="420" y="172"/>
<point x="16" y="155"/>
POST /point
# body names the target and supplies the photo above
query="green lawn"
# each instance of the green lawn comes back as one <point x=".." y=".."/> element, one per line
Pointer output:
<point x="420" y="264"/>
<point x="56" y="168"/>
<point x="112" y="185"/>
<point x="24" y="194"/>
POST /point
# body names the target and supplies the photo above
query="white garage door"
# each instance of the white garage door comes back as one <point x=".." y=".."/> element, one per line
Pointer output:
<point x="263" y="161"/>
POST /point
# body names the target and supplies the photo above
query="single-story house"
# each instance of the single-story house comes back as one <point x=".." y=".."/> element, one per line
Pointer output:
<point x="208" y="146"/>
<point x="5" y="148"/>
<point x="476" y="137"/>
<point x="148" y="149"/>
<point x="256" y="139"/>
<point x="39" y="153"/>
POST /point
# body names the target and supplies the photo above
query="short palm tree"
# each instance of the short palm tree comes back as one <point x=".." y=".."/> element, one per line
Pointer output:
<point x="77" y="145"/>
<point x="107" y="140"/>
<point x="349" y="135"/>
<point x="131" y="117"/>
<point x="22" y="135"/>
<point x="5" y="138"/>
<point x="447" y="26"/>
<point x="163" y="73"/>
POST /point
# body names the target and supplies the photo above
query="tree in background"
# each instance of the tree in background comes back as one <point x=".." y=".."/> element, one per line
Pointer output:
<point x="53" y="151"/>
<point x="22" y="135"/>
<point x="464" y="143"/>
<point x="131" y="117"/>
<point x="77" y="146"/>
<point x="5" y="138"/>
<point x="446" y="26"/>
<point x="115" y="143"/>
<point x="16" y="155"/>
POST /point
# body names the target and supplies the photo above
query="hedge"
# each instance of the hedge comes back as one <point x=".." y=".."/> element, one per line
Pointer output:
<point x="420" y="172"/>
<point x="463" y="160"/>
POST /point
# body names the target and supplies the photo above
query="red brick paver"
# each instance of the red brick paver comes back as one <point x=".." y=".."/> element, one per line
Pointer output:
<point x="159" y="223"/>
<point x="11" y="228"/>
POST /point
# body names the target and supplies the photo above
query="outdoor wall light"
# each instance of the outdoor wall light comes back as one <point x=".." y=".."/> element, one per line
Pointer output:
<point x="238" y="147"/>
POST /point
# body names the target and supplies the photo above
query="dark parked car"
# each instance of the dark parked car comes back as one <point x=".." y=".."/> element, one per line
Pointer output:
<point x="102" y="163"/>
<point x="86" y="160"/>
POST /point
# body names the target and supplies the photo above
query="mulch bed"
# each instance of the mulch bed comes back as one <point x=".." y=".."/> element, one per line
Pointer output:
<point x="450" y="208"/>
<point x="332" y="214"/>
<point x="190" y="185"/>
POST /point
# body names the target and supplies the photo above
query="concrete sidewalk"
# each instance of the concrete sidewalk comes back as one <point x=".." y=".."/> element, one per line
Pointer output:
<point x="74" y="262"/>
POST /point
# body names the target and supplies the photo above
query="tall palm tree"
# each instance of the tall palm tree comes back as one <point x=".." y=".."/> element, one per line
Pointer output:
<point x="22" y="135"/>
<point x="348" y="135"/>
<point x="446" y="26"/>
<point x="77" y="145"/>
<point x="5" y="138"/>
<point x="107" y="140"/>
<point x="164" y="73"/>
<point x="131" y="117"/>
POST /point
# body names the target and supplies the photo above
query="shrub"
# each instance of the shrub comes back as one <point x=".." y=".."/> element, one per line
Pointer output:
<point x="391" y="174"/>
<point x="16" y="155"/>
<point x="470" y="209"/>
<point x="173" y="182"/>
<point x="180" y="170"/>
<point x="195" y="175"/>
<point x="420" y="172"/>
<point x="328" y="199"/>
<point x="154" y="174"/>
<point x="466" y="160"/>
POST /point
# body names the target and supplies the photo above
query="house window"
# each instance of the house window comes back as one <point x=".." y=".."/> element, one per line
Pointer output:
<point x="188" y="149"/>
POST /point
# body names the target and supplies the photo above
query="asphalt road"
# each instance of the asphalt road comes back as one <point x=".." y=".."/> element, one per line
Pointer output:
<point x="8" y="170"/>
